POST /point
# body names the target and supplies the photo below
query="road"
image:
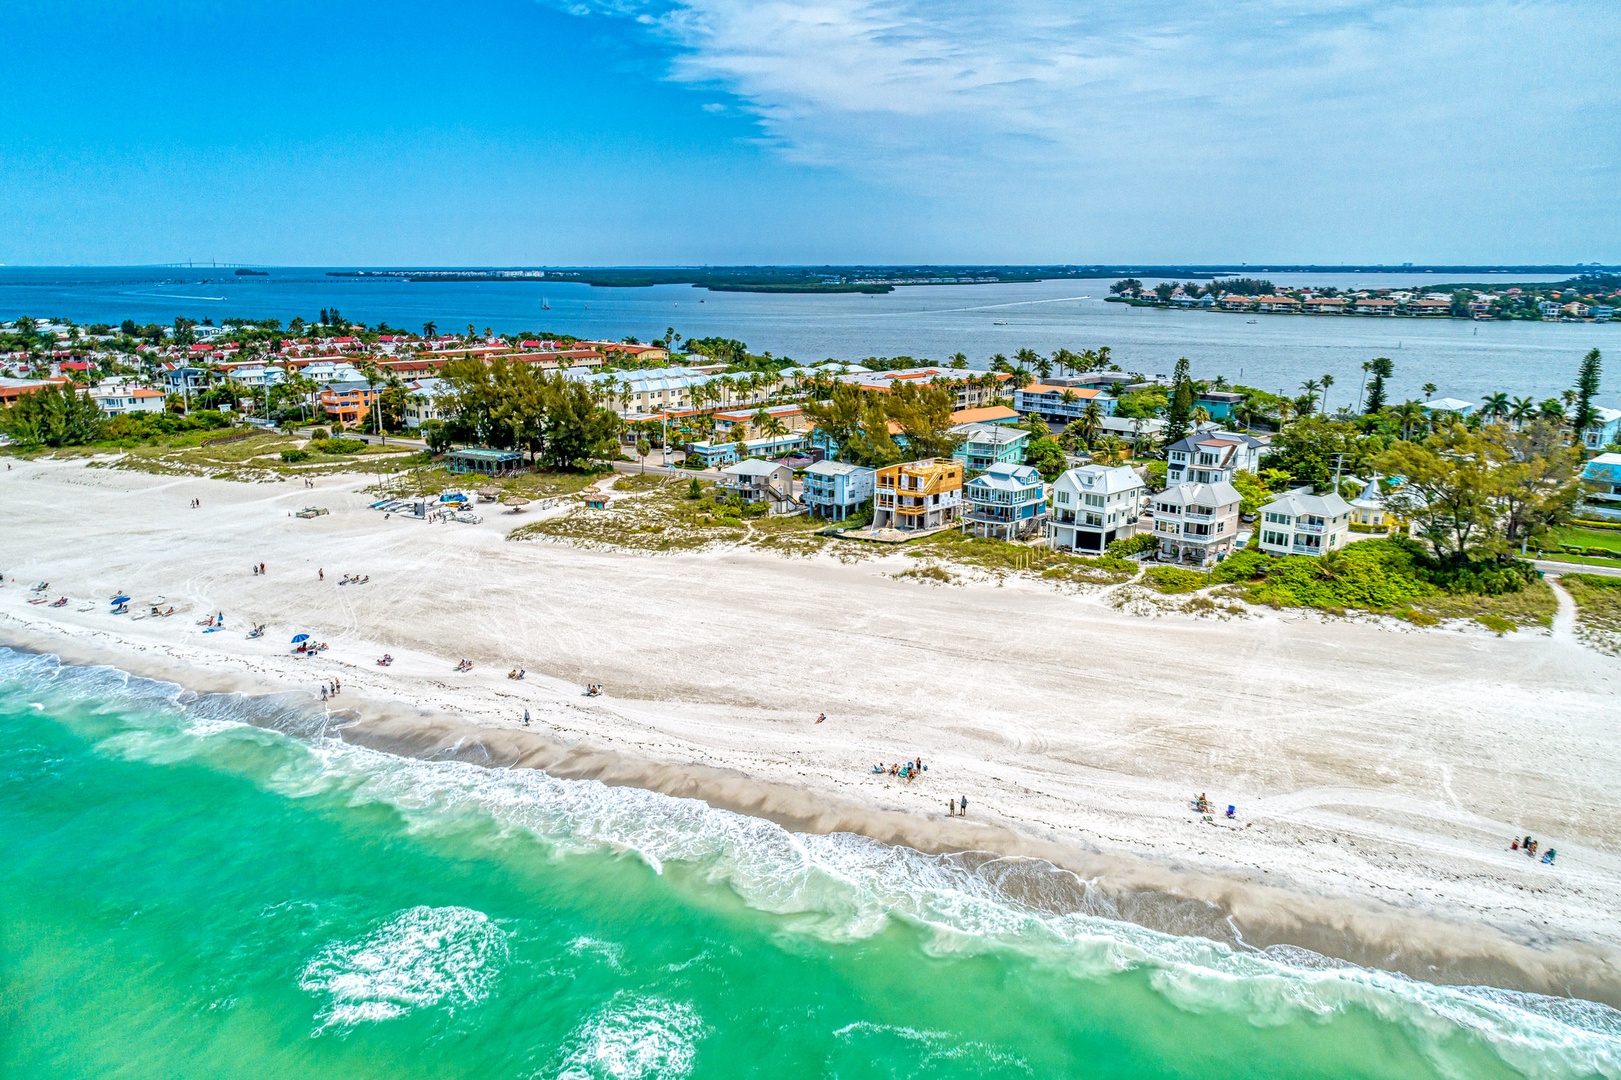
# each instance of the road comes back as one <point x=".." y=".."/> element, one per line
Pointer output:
<point x="1548" y="566"/>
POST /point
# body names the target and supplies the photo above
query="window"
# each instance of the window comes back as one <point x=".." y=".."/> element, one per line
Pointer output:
<point x="1063" y="497"/>
<point x="1094" y="500"/>
<point x="1276" y="539"/>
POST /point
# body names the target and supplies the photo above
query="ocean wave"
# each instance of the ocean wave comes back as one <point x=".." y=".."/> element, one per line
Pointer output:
<point x="427" y="956"/>
<point x="843" y="886"/>
<point x="632" y="1037"/>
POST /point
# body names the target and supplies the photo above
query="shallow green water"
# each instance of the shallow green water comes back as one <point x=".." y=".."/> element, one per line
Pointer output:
<point x="185" y="895"/>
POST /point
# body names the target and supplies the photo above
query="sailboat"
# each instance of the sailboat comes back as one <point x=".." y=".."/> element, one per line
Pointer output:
<point x="545" y="304"/>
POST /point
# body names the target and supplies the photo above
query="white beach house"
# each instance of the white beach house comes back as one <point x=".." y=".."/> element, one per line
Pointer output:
<point x="1296" y="523"/>
<point x="1094" y="505"/>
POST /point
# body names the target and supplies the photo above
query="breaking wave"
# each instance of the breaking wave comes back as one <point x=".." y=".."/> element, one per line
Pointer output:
<point x="838" y="886"/>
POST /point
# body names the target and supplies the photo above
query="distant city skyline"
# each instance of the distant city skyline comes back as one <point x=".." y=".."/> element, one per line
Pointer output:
<point x="725" y="132"/>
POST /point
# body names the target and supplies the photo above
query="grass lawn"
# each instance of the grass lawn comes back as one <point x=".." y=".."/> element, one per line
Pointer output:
<point x="432" y="480"/>
<point x="1580" y="560"/>
<point x="1576" y="536"/>
<point x="255" y="458"/>
<point x="1001" y="557"/>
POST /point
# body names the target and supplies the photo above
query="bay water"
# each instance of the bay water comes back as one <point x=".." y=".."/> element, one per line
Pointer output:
<point x="213" y="885"/>
<point x="1273" y="352"/>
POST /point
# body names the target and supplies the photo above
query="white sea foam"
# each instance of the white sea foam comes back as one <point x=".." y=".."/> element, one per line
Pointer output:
<point x="844" y="886"/>
<point x="426" y="956"/>
<point x="632" y="1037"/>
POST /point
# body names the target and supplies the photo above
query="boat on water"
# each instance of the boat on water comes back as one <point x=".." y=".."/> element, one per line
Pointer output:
<point x="999" y="322"/>
<point x="1251" y="320"/>
<point x="545" y="305"/>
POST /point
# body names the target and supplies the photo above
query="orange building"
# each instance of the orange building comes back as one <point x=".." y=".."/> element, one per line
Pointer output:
<point x="922" y="494"/>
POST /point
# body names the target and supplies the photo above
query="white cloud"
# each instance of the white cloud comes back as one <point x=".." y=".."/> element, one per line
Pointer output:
<point x="1189" y="99"/>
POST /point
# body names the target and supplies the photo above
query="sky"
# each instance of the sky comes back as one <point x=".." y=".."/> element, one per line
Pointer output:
<point x="683" y="132"/>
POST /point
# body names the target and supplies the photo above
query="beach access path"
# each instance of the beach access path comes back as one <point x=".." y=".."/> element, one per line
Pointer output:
<point x="1378" y="770"/>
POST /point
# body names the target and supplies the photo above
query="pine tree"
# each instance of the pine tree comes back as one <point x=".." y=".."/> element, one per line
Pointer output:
<point x="1382" y="368"/>
<point x="1587" y="386"/>
<point x="1179" y="414"/>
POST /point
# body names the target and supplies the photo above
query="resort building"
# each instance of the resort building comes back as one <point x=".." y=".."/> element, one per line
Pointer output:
<point x="1601" y="483"/>
<point x="1093" y="506"/>
<point x="714" y="453"/>
<point x="758" y="481"/>
<point x="984" y="445"/>
<point x="1301" y="524"/>
<point x="970" y="389"/>
<point x="1211" y="456"/>
<point x="1006" y="501"/>
<point x="12" y="389"/>
<point x="924" y="494"/>
<point x="1059" y="404"/>
<point x="1604" y="431"/>
<point x="122" y="400"/>
<point x="835" y="490"/>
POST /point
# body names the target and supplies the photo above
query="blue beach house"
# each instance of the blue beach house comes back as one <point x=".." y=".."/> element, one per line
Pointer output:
<point x="1005" y="501"/>
<point x="835" y="490"/>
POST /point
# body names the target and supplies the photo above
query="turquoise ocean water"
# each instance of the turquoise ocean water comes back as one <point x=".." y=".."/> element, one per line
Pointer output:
<point x="185" y="894"/>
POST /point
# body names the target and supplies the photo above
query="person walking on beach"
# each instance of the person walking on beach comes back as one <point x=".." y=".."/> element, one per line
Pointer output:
<point x="821" y="717"/>
<point x="261" y="568"/>
<point x="526" y="718"/>
<point x="321" y="574"/>
<point x="962" y="803"/>
<point x="951" y="808"/>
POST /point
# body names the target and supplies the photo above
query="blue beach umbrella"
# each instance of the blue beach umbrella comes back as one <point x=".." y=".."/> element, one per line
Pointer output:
<point x="301" y="637"/>
<point x="119" y="600"/>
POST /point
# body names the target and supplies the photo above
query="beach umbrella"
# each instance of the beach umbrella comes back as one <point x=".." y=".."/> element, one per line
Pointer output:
<point x="300" y="637"/>
<point x="119" y="600"/>
<point x="515" y="500"/>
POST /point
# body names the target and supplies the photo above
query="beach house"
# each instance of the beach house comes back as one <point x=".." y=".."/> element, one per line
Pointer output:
<point x="1006" y="501"/>
<point x="1601" y="487"/>
<point x="1448" y="408"/>
<point x="1210" y="456"/>
<point x="1196" y="516"/>
<point x="119" y="400"/>
<point x="1604" y="431"/>
<point x="984" y="445"/>
<point x="835" y="490"/>
<point x="1220" y="404"/>
<point x="1299" y="523"/>
<point x="1094" y="505"/>
<point x="756" y="480"/>
<point x="915" y="495"/>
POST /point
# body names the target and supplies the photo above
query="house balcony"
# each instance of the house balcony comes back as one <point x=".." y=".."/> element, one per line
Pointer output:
<point x="1302" y="527"/>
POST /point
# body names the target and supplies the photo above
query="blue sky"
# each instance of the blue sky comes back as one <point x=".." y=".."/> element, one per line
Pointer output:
<point x="726" y="131"/>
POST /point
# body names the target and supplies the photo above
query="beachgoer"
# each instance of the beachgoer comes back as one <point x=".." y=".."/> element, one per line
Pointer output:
<point x="951" y="808"/>
<point x="1515" y="846"/>
<point x="821" y="717"/>
<point x="321" y="574"/>
<point x="323" y="693"/>
<point x="962" y="801"/>
<point x="526" y="718"/>
<point x="261" y="568"/>
<point x="1548" y="858"/>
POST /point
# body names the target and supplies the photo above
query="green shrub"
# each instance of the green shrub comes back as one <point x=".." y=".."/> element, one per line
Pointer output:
<point x="1173" y="580"/>
<point x="293" y="456"/>
<point x="338" y="446"/>
<point x="1127" y="546"/>
<point x="319" y="433"/>
<point x="1418" y="618"/>
<point x="1496" y="624"/>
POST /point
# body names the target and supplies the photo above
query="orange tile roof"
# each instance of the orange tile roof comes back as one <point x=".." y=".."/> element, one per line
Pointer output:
<point x="989" y="413"/>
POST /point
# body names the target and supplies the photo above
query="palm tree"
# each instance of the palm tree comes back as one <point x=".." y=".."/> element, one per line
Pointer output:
<point x="1412" y="417"/>
<point x="1553" y="409"/>
<point x="772" y="428"/>
<point x="1286" y="408"/>
<point x="1429" y="390"/>
<point x="999" y="363"/>
<point x="1091" y="421"/>
<point x="1328" y="382"/>
<point x="1495" y="407"/>
<point x="1308" y="395"/>
<point x="1110" y="450"/>
<point x="958" y="361"/>
<point x="1201" y="416"/>
<point x="1220" y="382"/>
<point x="1522" y="410"/>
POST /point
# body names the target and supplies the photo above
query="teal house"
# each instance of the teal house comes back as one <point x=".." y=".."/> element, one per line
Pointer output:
<point x="984" y="445"/>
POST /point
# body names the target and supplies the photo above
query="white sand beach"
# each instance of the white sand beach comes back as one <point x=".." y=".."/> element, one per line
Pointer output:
<point x="1378" y="771"/>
